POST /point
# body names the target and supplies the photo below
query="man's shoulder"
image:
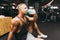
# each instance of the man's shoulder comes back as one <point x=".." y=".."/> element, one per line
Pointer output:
<point x="15" y="21"/>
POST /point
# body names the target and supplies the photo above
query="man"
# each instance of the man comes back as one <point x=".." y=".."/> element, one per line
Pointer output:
<point x="19" y="24"/>
<point x="32" y="13"/>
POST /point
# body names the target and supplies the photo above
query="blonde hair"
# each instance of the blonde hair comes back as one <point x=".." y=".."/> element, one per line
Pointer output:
<point x="18" y="7"/>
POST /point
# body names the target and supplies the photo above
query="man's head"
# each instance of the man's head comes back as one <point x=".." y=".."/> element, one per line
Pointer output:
<point x="22" y="7"/>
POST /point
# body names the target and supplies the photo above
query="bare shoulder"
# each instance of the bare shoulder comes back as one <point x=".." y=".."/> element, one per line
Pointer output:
<point x="15" y="21"/>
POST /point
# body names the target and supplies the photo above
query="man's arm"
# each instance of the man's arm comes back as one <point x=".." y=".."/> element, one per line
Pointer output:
<point x="11" y="33"/>
<point x="30" y="18"/>
<point x="34" y="18"/>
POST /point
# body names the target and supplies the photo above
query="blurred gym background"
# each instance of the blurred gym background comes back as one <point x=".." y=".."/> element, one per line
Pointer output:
<point x="8" y="8"/>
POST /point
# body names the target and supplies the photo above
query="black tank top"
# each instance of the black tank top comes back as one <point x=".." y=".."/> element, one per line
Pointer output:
<point x="23" y="34"/>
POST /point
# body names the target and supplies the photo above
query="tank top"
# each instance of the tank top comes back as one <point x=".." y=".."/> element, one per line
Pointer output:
<point x="23" y="34"/>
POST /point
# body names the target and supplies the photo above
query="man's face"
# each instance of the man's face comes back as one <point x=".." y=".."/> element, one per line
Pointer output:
<point x="23" y="9"/>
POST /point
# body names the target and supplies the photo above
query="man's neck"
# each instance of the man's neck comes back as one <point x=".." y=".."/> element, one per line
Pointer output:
<point x="21" y="15"/>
